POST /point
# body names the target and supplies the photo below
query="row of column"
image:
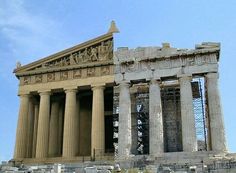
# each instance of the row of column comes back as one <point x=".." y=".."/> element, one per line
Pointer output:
<point x="44" y="134"/>
<point x="156" y="140"/>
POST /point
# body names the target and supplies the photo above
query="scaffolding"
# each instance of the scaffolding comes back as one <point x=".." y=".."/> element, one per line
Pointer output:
<point x="115" y="122"/>
<point x="199" y="108"/>
<point x="171" y="110"/>
<point x="142" y="121"/>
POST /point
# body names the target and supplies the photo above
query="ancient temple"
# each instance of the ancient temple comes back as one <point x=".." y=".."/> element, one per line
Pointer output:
<point x="91" y="102"/>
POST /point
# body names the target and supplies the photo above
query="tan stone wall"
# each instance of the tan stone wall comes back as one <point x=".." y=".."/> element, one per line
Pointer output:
<point x="85" y="125"/>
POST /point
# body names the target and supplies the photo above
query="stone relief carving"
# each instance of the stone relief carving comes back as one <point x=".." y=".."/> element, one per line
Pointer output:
<point x="99" y="52"/>
<point x="91" y="72"/>
<point x="77" y="74"/>
<point x="38" y="78"/>
<point x="50" y="77"/>
<point x="145" y="66"/>
<point x="105" y="70"/>
<point x="133" y="67"/>
<point x="64" y="75"/>
<point x="26" y="80"/>
<point x="166" y="63"/>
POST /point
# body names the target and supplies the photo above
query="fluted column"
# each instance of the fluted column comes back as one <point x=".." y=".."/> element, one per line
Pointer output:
<point x="98" y="128"/>
<point x="43" y="125"/>
<point x="124" y="134"/>
<point x="217" y="128"/>
<point x="156" y="143"/>
<point x="70" y="137"/>
<point x="53" y="132"/>
<point x="36" y="115"/>
<point x="187" y="115"/>
<point x="30" y="128"/>
<point x="21" y="132"/>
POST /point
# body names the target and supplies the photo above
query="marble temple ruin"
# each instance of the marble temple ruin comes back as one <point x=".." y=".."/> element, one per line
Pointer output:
<point x="91" y="102"/>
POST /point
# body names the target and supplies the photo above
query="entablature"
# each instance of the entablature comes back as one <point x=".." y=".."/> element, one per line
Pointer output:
<point x="155" y="62"/>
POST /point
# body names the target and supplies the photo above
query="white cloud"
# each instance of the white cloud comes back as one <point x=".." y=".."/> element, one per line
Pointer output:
<point x="25" y="30"/>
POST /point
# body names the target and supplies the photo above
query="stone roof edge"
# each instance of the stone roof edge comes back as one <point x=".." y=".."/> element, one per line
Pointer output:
<point x="64" y="52"/>
<point x="188" y="53"/>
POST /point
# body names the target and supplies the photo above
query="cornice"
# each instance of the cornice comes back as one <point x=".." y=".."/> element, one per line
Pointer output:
<point x="65" y="68"/>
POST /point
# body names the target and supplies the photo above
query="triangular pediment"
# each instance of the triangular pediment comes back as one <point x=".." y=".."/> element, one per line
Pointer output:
<point x="97" y="51"/>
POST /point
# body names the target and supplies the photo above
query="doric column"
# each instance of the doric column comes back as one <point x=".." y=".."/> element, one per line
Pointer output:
<point x="156" y="143"/>
<point x="53" y="132"/>
<point x="124" y="134"/>
<point x="98" y="128"/>
<point x="70" y="137"/>
<point x="43" y="125"/>
<point x="187" y="115"/>
<point x="217" y="129"/>
<point x="36" y="115"/>
<point x="21" y="132"/>
<point x="30" y="128"/>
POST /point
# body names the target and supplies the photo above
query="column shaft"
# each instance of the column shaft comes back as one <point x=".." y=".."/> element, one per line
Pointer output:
<point x="217" y="128"/>
<point x="70" y="137"/>
<point x="43" y="125"/>
<point x="98" y="127"/>
<point x="124" y="134"/>
<point x="156" y="142"/>
<point x="30" y="128"/>
<point x="53" y="132"/>
<point x="21" y="132"/>
<point x="36" y="115"/>
<point x="187" y="115"/>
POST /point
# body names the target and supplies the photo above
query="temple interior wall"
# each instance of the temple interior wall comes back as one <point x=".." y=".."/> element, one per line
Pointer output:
<point x="108" y="108"/>
<point x="85" y="125"/>
<point x="171" y="119"/>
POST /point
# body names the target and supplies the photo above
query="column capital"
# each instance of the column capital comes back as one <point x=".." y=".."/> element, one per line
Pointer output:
<point x="44" y="92"/>
<point x="185" y="76"/>
<point x="124" y="83"/>
<point x="98" y="86"/>
<point x="70" y="90"/>
<point x="212" y="75"/>
<point x="155" y="81"/>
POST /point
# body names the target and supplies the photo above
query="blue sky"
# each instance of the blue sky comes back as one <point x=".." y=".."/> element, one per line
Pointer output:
<point x="32" y="29"/>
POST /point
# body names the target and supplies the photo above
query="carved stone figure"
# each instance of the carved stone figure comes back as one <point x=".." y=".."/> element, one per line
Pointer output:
<point x="90" y="72"/>
<point x="105" y="70"/>
<point x="51" y="77"/>
<point x="77" y="74"/>
<point x="102" y="51"/>
<point x="72" y="60"/>
<point x="110" y="49"/>
<point x="26" y="80"/>
<point x="38" y="78"/>
<point x="64" y="75"/>
<point x="93" y="55"/>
